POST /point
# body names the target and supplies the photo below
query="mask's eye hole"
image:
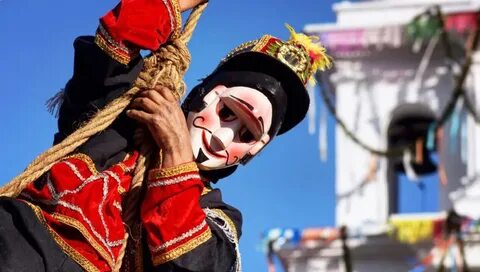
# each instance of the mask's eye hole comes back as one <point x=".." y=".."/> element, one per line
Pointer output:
<point x="245" y="136"/>
<point x="226" y="114"/>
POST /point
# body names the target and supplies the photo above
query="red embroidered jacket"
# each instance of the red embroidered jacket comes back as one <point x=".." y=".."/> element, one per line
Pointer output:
<point x="186" y="226"/>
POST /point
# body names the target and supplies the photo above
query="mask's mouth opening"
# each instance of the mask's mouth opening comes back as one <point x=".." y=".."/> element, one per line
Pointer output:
<point x="211" y="149"/>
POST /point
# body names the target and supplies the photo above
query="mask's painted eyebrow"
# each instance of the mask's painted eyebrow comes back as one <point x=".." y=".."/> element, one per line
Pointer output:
<point x="250" y="107"/>
<point x="261" y="123"/>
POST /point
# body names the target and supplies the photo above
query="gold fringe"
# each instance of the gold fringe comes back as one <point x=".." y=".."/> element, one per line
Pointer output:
<point x="229" y="221"/>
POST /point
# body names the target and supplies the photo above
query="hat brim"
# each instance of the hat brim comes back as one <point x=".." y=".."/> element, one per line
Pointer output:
<point x="298" y="100"/>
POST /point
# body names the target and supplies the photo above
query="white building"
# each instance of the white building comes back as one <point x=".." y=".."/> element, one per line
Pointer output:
<point x="387" y="90"/>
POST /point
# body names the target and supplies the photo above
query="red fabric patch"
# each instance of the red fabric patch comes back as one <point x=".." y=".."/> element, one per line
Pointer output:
<point x="90" y="201"/>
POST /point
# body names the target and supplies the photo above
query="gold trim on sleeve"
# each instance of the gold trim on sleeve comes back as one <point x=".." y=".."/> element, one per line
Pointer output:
<point x="183" y="249"/>
<point x="172" y="171"/>
<point x="178" y="19"/>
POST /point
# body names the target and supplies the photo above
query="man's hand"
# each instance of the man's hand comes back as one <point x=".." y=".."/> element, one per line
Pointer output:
<point x="159" y="110"/>
<point x="188" y="4"/>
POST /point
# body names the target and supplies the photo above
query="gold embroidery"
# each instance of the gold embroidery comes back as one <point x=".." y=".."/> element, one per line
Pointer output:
<point x="172" y="171"/>
<point x="126" y="169"/>
<point x="256" y="46"/>
<point x="261" y="43"/>
<point x="239" y="48"/>
<point x="121" y="190"/>
<point x="185" y="248"/>
<point x="79" y="226"/>
<point x="71" y="252"/>
<point x="123" y="167"/>
<point x="178" y="19"/>
<point x="114" y="54"/>
<point x="86" y="159"/>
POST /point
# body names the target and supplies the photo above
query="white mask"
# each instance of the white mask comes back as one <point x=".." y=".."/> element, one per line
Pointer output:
<point x="233" y="124"/>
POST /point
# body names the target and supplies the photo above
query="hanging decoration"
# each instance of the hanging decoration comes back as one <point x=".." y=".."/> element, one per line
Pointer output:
<point x="424" y="26"/>
<point x="414" y="230"/>
<point x="419" y="156"/>
<point x="407" y="165"/>
<point x="431" y="138"/>
<point x="463" y="140"/>
<point x="455" y="121"/>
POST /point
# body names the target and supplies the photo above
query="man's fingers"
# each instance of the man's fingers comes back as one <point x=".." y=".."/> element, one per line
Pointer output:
<point x="154" y="95"/>
<point x="144" y="103"/>
<point x="166" y="93"/>
<point x="140" y="116"/>
<point x="159" y="95"/>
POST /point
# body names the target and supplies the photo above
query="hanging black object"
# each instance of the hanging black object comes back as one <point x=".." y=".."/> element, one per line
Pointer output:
<point x="410" y="122"/>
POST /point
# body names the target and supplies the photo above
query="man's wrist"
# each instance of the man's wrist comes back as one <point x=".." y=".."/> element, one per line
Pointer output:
<point x="170" y="159"/>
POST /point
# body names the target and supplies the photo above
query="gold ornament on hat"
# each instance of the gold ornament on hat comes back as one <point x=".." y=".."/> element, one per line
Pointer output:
<point x="317" y="54"/>
<point x="294" y="57"/>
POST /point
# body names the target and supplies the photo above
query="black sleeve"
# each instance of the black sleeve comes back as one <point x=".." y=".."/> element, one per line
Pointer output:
<point x="220" y="253"/>
<point x="97" y="80"/>
<point x="25" y="243"/>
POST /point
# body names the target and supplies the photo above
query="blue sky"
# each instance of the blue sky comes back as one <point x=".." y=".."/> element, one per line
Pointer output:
<point x="286" y="185"/>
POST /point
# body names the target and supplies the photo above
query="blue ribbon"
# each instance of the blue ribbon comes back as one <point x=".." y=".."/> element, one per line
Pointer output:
<point x="431" y="137"/>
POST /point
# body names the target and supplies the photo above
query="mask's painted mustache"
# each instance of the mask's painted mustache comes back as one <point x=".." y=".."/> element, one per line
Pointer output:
<point x="199" y="126"/>
<point x="228" y="158"/>
<point x="201" y="156"/>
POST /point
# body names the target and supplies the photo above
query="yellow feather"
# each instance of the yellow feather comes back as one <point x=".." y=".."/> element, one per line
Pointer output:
<point x="318" y="54"/>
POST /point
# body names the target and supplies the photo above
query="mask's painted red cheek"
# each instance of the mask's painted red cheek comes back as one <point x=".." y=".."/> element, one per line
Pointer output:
<point x="209" y="119"/>
<point x="238" y="150"/>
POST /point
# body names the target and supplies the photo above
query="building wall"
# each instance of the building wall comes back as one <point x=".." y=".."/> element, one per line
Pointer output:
<point x="368" y="89"/>
<point x="464" y="194"/>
